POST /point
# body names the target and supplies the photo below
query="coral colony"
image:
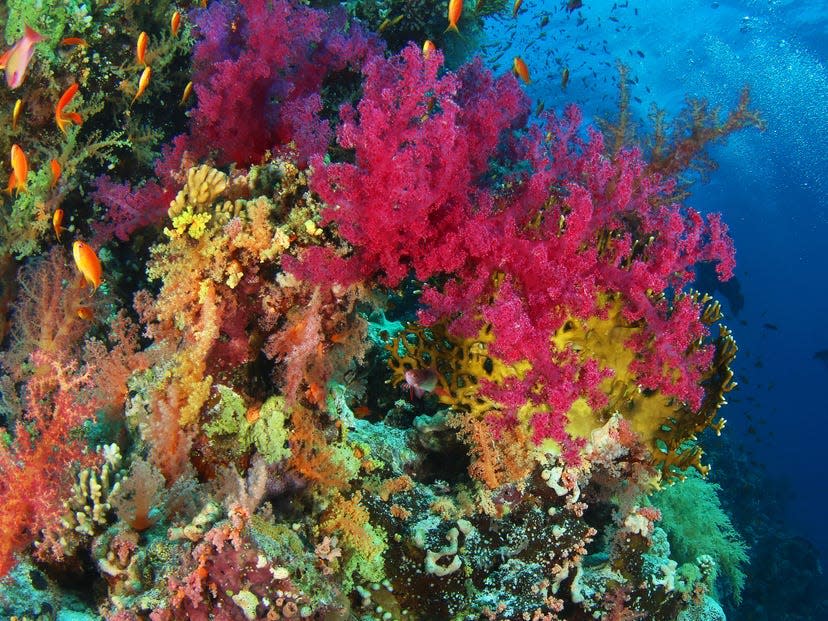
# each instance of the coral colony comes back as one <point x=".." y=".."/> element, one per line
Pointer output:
<point x="348" y="334"/>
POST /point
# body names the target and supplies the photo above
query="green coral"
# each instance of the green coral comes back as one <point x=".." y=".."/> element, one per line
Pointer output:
<point x="54" y="19"/>
<point x="696" y="525"/>
<point x="264" y="429"/>
<point x="26" y="222"/>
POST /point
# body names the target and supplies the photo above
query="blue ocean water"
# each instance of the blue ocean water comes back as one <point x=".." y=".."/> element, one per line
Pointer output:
<point x="771" y="187"/>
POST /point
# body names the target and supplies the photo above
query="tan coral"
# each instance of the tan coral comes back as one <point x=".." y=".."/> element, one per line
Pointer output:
<point x="205" y="184"/>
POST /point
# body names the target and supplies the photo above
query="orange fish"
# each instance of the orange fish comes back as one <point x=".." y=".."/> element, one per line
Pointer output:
<point x="175" y="23"/>
<point x="88" y="263"/>
<point x="85" y="313"/>
<point x="64" y="119"/>
<point x="74" y="41"/>
<point x="564" y="78"/>
<point x="188" y="90"/>
<point x="18" y="107"/>
<point x="455" y="10"/>
<point x="428" y="48"/>
<point x="141" y="48"/>
<point x="143" y="82"/>
<point x="520" y="68"/>
<point x="54" y="165"/>
<point x="16" y="60"/>
<point x="20" y="168"/>
<point x="516" y="7"/>
<point x="57" y="222"/>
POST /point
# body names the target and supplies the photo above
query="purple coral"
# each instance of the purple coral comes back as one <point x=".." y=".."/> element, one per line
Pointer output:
<point x="259" y="71"/>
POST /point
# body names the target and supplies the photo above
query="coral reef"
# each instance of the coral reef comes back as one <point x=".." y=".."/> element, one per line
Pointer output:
<point x="369" y="345"/>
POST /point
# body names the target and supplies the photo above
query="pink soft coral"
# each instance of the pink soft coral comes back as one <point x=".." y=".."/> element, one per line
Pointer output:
<point x="258" y="84"/>
<point x="520" y="250"/>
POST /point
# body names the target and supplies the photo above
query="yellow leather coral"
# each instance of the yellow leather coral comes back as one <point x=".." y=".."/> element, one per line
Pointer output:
<point x="665" y="425"/>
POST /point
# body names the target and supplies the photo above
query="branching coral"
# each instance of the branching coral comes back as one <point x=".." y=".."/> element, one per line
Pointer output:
<point x="45" y="314"/>
<point x="37" y="468"/>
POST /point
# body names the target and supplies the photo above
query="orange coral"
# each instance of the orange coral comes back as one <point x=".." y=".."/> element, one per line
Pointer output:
<point x="311" y="455"/>
<point x="351" y="521"/>
<point x="495" y="462"/>
<point x="389" y="487"/>
<point x="45" y="314"/>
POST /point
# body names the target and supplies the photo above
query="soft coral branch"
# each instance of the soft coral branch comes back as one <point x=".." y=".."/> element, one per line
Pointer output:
<point x="36" y="470"/>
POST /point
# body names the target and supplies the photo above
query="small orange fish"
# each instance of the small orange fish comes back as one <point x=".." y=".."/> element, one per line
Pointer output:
<point x="564" y="78"/>
<point x="141" y="48"/>
<point x="175" y="23"/>
<point x="143" y="82"/>
<point x="20" y="168"/>
<point x="63" y="119"/>
<point x="428" y="48"/>
<point x="57" y="222"/>
<point x="16" y="60"/>
<point x="520" y="68"/>
<point x="85" y="313"/>
<point x="18" y="107"/>
<point x="88" y="263"/>
<point x="188" y="90"/>
<point x="455" y="10"/>
<point x="516" y="7"/>
<point x="54" y="165"/>
<point x="74" y="41"/>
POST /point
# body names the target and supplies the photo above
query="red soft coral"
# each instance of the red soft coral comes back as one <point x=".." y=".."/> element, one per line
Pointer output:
<point x="421" y="145"/>
<point x="36" y="469"/>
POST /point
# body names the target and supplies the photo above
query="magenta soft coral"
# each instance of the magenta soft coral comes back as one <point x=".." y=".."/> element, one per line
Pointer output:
<point x="129" y="208"/>
<point x="422" y="199"/>
<point x="258" y="72"/>
<point x="421" y="145"/>
<point x="259" y="69"/>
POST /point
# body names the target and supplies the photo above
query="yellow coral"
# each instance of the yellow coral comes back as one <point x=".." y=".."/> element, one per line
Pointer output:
<point x="204" y="185"/>
<point x="194" y="224"/>
<point x="666" y="426"/>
